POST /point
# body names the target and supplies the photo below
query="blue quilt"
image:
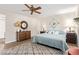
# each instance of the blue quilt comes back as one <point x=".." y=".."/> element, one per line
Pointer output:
<point x="53" y="40"/>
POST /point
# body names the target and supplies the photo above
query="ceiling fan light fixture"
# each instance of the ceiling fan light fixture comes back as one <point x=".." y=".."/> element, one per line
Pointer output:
<point x="33" y="9"/>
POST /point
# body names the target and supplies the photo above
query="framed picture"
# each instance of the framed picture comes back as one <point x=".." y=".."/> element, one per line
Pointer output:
<point x="24" y="24"/>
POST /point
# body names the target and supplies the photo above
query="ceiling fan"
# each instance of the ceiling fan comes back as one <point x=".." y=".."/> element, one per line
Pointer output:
<point x="33" y="9"/>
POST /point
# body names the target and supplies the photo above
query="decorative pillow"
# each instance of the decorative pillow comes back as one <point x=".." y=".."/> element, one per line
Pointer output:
<point x="50" y="32"/>
<point x="56" y="32"/>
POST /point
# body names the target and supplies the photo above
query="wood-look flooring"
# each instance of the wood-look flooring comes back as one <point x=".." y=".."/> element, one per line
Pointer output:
<point x="28" y="48"/>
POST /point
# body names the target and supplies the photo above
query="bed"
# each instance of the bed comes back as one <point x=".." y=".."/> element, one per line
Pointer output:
<point x="55" y="39"/>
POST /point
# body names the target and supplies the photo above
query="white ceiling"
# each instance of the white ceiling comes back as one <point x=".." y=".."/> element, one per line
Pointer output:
<point x="47" y="9"/>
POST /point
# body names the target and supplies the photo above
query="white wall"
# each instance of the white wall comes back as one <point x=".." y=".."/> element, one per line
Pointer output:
<point x="2" y="25"/>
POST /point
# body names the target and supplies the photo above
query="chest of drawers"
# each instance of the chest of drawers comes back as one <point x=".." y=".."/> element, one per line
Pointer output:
<point x="71" y="38"/>
<point x="24" y="35"/>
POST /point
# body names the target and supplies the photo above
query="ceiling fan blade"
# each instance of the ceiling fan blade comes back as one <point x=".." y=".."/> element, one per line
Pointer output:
<point x="31" y="6"/>
<point x="27" y="6"/>
<point x="37" y="8"/>
<point x="37" y="12"/>
<point x="31" y="12"/>
<point x="25" y="10"/>
<point x="32" y="9"/>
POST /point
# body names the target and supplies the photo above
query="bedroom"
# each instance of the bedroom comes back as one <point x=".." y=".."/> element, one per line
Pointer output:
<point x="58" y="16"/>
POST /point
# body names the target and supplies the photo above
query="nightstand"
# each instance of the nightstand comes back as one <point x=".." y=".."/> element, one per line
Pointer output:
<point x="71" y="38"/>
<point x="42" y="32"/>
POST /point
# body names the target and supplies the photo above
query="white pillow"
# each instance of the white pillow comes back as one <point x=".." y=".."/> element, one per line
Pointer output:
<point x="50" y="32"/>
<point x="56" y="32"/>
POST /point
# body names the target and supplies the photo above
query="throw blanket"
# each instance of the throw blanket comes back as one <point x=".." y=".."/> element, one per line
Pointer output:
<point x="57" y="41"/>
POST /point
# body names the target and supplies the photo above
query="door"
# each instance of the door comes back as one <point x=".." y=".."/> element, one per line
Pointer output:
<point x="2" y="27"/>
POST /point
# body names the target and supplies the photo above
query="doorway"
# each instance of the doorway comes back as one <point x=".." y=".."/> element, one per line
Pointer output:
<point x="2" y="28"/>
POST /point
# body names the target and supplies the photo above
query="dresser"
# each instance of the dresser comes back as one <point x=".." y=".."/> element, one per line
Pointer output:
<point x="71" y="38"/>
<point x="23" y="35"/>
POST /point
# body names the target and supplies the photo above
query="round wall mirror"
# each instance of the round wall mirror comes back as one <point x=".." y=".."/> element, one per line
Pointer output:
<point x="24" y="24"/>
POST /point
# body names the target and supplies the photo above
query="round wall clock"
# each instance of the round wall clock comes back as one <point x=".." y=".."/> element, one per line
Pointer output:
<point x="24" y="24"/>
